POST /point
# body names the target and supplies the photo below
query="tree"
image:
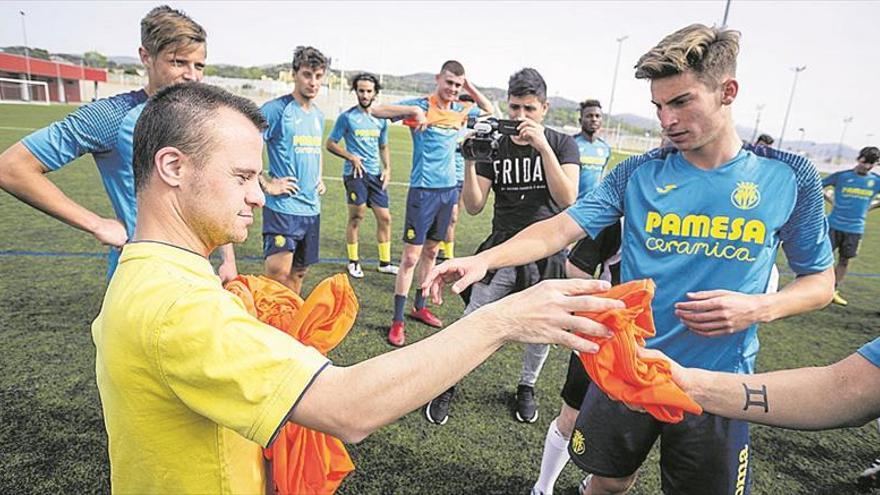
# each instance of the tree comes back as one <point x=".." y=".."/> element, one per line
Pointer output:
<point x="95" y="59"/>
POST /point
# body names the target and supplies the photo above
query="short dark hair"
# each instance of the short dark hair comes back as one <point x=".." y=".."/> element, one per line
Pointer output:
<point x="525" y="82"/>
<point x="180" y="115"/>
<point x="589" y="104"/>
<point x="465" y="97"/>
<point x="765" y="139"/>
<point x="309" y="56"/>
<point x="365" y="76"/>
<point x="454" y="67"/>
<point x="870" y="154"/>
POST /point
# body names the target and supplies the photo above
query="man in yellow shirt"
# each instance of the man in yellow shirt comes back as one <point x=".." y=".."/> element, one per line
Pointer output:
<point x="191" y="385"/>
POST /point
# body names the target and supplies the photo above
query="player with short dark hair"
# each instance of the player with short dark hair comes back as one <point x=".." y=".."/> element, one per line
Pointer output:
<point x="366" y="182"/>
<point x="533" y="177"/>
<point x="173" y="50"/>
<point x="594" y="151"/>
<point x="764" y="140"/>
<point x="852" y="196"/>
<point x="703" y="219"/>
<point x="292" y="216"/>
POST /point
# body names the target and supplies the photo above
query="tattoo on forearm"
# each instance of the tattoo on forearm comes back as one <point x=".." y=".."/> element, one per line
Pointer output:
<point x="756" y="397"/>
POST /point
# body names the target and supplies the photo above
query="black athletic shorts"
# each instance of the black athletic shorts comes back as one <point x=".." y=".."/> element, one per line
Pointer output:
<point x="589" y="253"/>
<point x="576" y="382"/>
<point x="703" y="454"/>
<point x="847" y="243"/>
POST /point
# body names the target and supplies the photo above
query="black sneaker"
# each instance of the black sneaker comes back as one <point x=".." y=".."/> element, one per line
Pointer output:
<point x="526" y="405"/>
<point x="870" y="478"/>
<point x="437" y="411"/>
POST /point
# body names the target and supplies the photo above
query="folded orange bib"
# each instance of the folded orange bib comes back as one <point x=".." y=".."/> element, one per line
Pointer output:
<point x="619" y="372"/>
<point x="443" y="117"/>
<point x="304" y="461"/>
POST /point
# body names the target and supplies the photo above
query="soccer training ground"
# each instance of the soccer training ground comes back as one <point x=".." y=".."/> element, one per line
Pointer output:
<point x="52" y="437"/>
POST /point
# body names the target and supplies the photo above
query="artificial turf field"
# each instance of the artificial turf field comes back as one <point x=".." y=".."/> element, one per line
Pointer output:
<point x="52" y="437"/>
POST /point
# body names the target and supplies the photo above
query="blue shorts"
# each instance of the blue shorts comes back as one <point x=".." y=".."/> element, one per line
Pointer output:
<point x="291" y="233"/>
<point x="428" y="212"/>
<point x="701" y="454"/>
<point x="459" y="186"/>
<point x="366" y="189"/>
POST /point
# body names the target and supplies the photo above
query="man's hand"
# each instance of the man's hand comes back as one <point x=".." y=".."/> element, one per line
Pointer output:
<point x="460" y="272"/>
<point x="278" y="186"/>
<point x="719" y="312"/>
<point x="227" y="271"/>
<point x="680" y="375"/>
<point x="386" y="178"/>
<point x="321" y="187"/>
<point x="110" y="232"/>
<point x="542" y="313"/>
<point x="533" y="134"/>
<point x="420" y="118"/>
<point x="357" y="165"/>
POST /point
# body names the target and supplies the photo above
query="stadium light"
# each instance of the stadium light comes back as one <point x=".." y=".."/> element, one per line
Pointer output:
<point x="616" y="65"/>
<point x="27" y="57"/>
<point x="757" y="122"/>
<point x="797" y="71"/>
<point x="726" y="11"/>
<point x="846" y="122"/>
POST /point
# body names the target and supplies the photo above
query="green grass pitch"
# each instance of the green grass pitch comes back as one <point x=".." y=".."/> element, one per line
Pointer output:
<point x="52" y="437"/>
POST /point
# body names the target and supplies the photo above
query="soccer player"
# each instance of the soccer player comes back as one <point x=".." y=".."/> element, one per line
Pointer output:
<point x="366" y="184"/>
<point x="764" y="140"/>
<point x="432" y="193"/>
<point x="704" y="220"/>
<point x="843" y="394"/>
<point x="172" y="50"/>
<point x="292" y="216"/>
<point x="594" y="151"/>
<point x="851" y="199"/>
<point x="533" y="177"/>
<point x="191" y="385"/>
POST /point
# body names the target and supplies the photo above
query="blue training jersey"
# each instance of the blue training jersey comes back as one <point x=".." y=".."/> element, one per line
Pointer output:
<point x="363" y="134"/>
<point x="871" y="352"/>
<point x="852" y="198"/>
<point x="695" y="230"/>
<point x="105" y="129"/>
<point x="293" y="139"/>
<point x="593" y="159"/>
<point x="433" y="164"/>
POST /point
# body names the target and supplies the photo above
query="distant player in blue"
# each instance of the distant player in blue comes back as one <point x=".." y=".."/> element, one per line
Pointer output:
<point x="435" y="121"/>
<point x="703" y="220"/>
<point x="292" y="216"/>
<point x="172" y="50"/>
<point x="366" y="181"/>
<point x="594" y="151"/>
<point x="853" y="195"/>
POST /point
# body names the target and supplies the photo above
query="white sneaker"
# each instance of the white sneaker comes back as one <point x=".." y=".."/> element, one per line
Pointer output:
<point x="389" y="269"/>
<point x="354" y="269"/>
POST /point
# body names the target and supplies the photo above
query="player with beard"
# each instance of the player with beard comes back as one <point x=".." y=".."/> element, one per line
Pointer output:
<point x="292" y="216"/>
<point x="533" y="177"/>
<point x="366" y="183"/>
<point x="594" y="151"/>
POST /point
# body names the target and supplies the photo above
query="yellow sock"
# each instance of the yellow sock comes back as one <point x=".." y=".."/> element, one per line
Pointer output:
<point x="352" y="251"/>
<point x="449" y="249"/>
<point x="385" y="252"/>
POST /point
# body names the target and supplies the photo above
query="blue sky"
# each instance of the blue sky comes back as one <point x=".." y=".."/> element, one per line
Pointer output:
<point x="571" y="43"/>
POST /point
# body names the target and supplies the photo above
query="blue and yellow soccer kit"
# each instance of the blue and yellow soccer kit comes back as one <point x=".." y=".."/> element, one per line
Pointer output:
<point x="363" y="135"/>
<point x="693" y="230"/>
<point x="105" y="129"/>
<point x="291" y="222"/>
<point x="432" y="191"/>
<point x="594" y="157"/>
<point x="853" y="194"/>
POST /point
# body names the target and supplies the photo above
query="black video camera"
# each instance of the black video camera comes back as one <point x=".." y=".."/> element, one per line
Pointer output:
<point x="482" y="146"/>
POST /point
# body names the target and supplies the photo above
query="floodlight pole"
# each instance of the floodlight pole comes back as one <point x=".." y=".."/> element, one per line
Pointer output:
<point x="797" y="71"/>
<point x="614" y="81"/>
<point x="846" y="122"/>
<point x="27" y="56"/>
<point x="757" y="122"/>
<point x="726" y="11"/>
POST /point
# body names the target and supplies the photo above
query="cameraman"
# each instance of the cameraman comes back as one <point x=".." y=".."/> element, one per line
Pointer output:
<point x="534" y="176"/>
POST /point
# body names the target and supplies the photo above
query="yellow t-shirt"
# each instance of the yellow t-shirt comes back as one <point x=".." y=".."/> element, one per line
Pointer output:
<point x="191" y="384"/>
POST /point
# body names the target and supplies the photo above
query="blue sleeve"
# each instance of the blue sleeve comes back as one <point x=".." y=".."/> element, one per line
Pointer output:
<point x="92" y="128"/>
<point x="339" y="128"/>
<point x="272" y="110"/>
<point x="475" y="111"/>
<point x="603" y="205"/>
<point x="414" y="102"/>
<point x="383" y="133"/>
<point x="830" y="180"/>
<point x="805" y="235"/>
<point x="871" y="352"/>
